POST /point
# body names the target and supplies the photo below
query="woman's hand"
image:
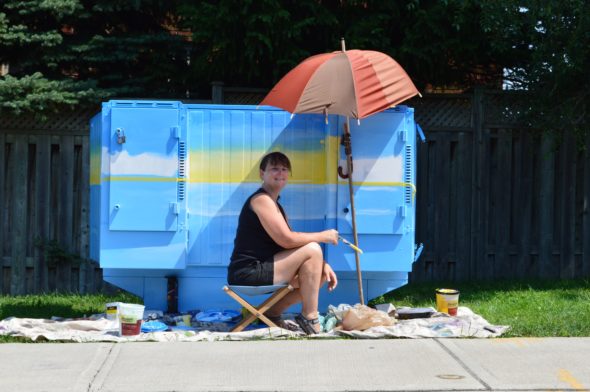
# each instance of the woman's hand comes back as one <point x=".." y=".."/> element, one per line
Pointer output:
<point x="330" y="277"/>
<point x="330" y="236"/>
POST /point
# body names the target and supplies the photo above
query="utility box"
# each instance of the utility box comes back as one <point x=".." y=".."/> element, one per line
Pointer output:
<point x="168" y="181"/>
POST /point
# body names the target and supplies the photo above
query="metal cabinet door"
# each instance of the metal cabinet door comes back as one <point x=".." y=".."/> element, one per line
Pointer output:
<point x="380" y="169"/>
<point x="144" y="169"/>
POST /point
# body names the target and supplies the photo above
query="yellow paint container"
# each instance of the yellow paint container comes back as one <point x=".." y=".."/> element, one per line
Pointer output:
<point x="447" y="301"/>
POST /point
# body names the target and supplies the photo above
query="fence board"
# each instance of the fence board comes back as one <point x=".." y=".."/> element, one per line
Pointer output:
<point x="42" y="206"/>
<point x="477" y="224"/>
<point x="521" y="212"/>
<point x="3" y="238"/>
<point x="568" y="206"/>
<point x="421" y="205"/>
<point x="65" y="208"/>
<point x="504" y="182"/>
<point x="586" y="212"/>
<point x="18" y="188"/>
<point x="492" y="207"/>
<point x="453" y="178"/>
<point x="8" y="210"/>
<point x="84" y="199"/>
<point x="30" y="203"/>
<point x="431" y="239"/>
<point x="485" y="266"/>
<point x="463" y="206"/>
<point x="546" y="208"/>
<point x="557" y="197"/>
<point x="441" y="220"/>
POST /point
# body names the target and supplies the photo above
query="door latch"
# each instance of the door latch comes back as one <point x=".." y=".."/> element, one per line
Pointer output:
<point x="121" y="136"/>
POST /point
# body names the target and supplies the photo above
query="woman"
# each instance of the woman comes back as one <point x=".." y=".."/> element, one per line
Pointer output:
<point x="267" y="251"/>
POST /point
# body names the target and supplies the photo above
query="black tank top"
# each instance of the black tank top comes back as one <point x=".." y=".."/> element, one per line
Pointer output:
<point x="252" y="242"/>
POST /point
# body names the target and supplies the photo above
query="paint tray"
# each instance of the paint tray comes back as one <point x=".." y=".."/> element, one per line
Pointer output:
<point x="412" y="313"/>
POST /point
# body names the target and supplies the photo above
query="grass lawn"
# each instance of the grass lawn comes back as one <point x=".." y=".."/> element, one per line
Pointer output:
<point x="60" y="305"/>
<point x="531" y="308"/>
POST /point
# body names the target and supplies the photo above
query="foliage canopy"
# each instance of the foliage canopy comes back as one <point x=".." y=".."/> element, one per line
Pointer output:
<point x="69" y="52"/>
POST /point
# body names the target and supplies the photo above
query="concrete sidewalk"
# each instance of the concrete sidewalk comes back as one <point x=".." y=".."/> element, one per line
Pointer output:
<point x="540" y="364"/>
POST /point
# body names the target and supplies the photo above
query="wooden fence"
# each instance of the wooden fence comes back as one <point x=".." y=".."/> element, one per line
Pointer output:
<point x="497" y="201"/>
<point x="494" y="200"/>
<point x="44" y="197"/>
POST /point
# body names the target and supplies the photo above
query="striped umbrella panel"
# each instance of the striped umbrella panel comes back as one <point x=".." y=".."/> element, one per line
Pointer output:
<point x="354" y="83"/>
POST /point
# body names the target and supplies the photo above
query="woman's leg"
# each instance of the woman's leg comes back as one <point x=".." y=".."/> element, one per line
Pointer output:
<point x="301" y="267"/>
<point x="294" y="297"/>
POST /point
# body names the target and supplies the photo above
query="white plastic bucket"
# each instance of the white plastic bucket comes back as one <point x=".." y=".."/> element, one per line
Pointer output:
<point x="447" y="301"/>
<point x="130" y="319"/>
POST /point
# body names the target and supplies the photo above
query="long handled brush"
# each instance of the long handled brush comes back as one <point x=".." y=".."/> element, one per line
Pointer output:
<point x="353" y="246"/>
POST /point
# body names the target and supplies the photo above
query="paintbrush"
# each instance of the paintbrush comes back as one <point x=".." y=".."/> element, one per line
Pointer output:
<point x="353" y="246"/>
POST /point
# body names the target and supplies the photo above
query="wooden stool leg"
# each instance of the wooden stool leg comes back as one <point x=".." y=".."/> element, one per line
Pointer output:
<point x="273" y="299"/>
<point x="251" y="317"/>
<point x="257" y="312"/>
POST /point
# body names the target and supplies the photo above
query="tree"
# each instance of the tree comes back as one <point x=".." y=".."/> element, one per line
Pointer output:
<point x="75" y="51"/>
<point x="256" y="42"/>
<point x="439" y="43"/>
<point x="549" y="44"/>
<point x="253" y="42"/>
<point x="71" y="52"/>
<point x="534" y="45"/>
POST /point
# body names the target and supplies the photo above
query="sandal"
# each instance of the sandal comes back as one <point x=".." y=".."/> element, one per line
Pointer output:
<point x="307" y="325"/>
<point x="279" y="322"/>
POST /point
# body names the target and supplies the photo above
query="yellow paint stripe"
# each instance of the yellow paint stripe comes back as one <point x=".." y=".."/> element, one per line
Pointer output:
<point x="378" y="183"/>
<point x="568" y="378"/>
<point x="293" y="181"/>
<point x="143" y="179"/>
<point x="384" y="183"/>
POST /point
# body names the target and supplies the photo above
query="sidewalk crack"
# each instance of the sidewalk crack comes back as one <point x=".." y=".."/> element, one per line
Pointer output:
<point x="95" y="384"/>
<point x="463" y="365"/>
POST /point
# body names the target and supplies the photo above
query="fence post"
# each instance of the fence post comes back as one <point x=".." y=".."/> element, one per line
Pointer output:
<point x="217" y="92"/>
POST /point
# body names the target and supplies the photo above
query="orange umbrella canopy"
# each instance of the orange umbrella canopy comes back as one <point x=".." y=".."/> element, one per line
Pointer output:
<point x="354" y="83"/>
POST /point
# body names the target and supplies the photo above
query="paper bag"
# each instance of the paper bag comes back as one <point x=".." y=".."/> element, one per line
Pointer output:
<point x="361" y="317"/>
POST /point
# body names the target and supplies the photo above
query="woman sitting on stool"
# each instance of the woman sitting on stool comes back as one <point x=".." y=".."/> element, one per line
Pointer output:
<point x="267" y="252"/>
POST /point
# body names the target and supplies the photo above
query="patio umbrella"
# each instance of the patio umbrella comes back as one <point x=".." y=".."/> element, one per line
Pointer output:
<point x="354" y="83"/>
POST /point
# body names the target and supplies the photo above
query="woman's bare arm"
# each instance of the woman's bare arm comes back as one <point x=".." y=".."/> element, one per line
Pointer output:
<point x="273" y="222"/>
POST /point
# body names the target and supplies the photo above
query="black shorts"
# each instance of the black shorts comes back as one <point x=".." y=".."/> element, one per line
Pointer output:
<point x="251" y="272"/>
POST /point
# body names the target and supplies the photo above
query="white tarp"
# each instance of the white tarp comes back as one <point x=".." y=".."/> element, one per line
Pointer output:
<point x="465" y="324"/>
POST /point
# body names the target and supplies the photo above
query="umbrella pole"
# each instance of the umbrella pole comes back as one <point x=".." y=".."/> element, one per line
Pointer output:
<point x="348" y="151"/>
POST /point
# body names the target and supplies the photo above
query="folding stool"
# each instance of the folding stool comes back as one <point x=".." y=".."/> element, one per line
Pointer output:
<point x="279" y="291"/>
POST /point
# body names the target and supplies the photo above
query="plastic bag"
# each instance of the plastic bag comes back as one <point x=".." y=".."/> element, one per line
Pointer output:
<point x="361" y="317"/>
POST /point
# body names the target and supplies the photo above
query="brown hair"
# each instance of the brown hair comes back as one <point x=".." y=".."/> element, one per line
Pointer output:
<point x="275" y="158"/>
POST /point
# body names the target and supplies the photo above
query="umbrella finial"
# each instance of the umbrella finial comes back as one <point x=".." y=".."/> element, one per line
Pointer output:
<point x="343" y="44"/>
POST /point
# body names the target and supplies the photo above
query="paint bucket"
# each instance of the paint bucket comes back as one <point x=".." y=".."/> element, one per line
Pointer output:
<point x="112" y="310"/>
<point x="130" y="319"/>
<point x="447" y="301"/>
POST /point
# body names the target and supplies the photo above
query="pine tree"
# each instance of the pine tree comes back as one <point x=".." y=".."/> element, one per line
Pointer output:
<point x="70" y="52"/>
